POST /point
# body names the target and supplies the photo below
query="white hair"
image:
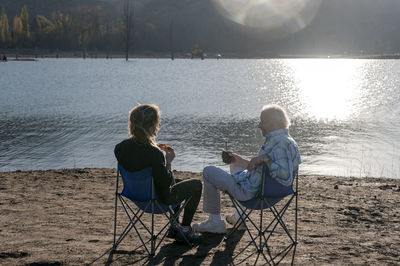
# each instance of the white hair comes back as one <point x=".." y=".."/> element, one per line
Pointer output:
<point x="277" y="114"/>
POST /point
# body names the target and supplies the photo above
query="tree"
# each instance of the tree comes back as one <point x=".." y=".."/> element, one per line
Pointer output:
<point x="25" y="23"/>
<point x="128" y="26"/>
<point x="43" y="25"/>
<point x="61" y="24"/>
<point x="197" y="52"/>
<point x="43" y="30"/>
<point x="62" y="28"/>
<point x="5" y="35"/>
<point x="17" y="29"/>
<point x="87" y="27"/>
<point x="171" y="31"/>
<point x="97" y="22"/>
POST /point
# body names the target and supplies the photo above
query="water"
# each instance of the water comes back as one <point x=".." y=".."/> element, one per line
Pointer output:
<point x="64" y="113"/>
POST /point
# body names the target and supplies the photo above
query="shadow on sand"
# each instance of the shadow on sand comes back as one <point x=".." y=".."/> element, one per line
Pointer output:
<point x="171" y="253"/>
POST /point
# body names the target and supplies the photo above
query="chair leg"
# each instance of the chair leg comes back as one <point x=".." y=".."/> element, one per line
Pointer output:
<point x="152" y="252"/>
<point x="295" y="225"/>
<point x="174" y="216"/>
<point x="115" y="222"/>
<point x="261" y="240"/>
<point x="152" y="244"/>
<point x="242" y="218"/>
<point x="115" y="209"/>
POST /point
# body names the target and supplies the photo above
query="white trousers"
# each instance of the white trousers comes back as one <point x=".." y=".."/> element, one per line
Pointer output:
<point x="216" y="180"/>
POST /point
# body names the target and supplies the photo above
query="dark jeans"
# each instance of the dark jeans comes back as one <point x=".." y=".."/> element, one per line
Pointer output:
<point x="180" y="191"/>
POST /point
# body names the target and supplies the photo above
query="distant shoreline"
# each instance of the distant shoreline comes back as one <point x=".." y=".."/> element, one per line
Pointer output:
<point x="30" y="55"/>
<point x="306" y="175"/>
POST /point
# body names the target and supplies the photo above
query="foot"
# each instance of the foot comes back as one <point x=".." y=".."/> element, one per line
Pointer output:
<point x="190" y="235"/>
<point x="233" y="218"/>
<point x="172" y="231"/>
<point x="210" y="226"/>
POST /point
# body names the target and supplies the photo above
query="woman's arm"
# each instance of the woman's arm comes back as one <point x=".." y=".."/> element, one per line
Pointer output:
<point x="162" y="175"/>
<point x="169" y="157"/>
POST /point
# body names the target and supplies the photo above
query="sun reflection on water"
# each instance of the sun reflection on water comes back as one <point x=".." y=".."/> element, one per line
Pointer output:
<point x="327" y="89"/>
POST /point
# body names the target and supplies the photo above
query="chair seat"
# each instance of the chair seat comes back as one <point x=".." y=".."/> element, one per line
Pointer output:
<point x="257" y="203"/>
<point x="159" y="208"/>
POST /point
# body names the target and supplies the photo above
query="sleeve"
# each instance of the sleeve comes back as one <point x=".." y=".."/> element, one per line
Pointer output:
<point x="117" y="152"/>
<point x="121" y="156"/>
<point x="281" y="166"/>
<point x="162" y="177"/>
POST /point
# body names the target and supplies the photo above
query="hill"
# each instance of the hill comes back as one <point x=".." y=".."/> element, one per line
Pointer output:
<point x="342" y="27"/>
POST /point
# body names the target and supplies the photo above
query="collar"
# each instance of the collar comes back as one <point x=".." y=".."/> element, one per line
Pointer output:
<point x="277" y="132"/>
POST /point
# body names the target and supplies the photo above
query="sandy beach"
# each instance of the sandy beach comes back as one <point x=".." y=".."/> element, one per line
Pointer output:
<point x="65" y="217"/>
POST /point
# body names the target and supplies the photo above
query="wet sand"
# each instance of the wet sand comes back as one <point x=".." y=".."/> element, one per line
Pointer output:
<point x="65" y="217"/>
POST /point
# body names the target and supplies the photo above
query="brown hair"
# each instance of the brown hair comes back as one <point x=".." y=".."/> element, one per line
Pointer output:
<point x="144" y="123"/>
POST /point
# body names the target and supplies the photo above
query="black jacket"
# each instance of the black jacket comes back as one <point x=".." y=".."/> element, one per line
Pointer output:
<point x="135" y="157"/>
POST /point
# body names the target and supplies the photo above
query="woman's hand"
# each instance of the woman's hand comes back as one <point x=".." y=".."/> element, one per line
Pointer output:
<point x="169" y="155"/>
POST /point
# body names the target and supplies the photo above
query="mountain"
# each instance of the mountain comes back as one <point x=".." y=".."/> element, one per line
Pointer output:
<point x="339" y="26"/>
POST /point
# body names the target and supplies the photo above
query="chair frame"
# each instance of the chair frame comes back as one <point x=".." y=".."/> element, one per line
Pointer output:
<point x="135" y="215"/>
<point x="263" y="233"/>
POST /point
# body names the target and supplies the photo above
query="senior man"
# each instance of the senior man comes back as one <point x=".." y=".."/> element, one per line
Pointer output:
<point x="279" y="152"/>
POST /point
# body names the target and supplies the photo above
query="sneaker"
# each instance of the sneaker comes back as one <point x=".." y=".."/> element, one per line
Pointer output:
<point x="190" y="235"/>
<point x="210" y="226"/>
<point x="233" y="218"/>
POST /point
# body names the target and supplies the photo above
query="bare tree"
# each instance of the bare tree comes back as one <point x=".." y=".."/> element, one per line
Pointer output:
<point x="128" y="26"/>
<point x="171" y="30"/>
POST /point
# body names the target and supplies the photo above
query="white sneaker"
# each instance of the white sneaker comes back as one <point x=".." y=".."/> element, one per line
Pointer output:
<point x="210" y="226"/>
<point x="232" y="218"/>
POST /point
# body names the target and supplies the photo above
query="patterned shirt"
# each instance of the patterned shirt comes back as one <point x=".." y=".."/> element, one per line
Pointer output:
<point x="285" y="160"/>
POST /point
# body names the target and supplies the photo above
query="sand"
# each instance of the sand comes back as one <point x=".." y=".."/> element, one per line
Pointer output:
<point x="65" y="217"/>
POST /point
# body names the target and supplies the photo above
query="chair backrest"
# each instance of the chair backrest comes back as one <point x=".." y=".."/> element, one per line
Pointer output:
<point x="271" y="192"/>
<point x="138" y="186"/>
<point x="272" y="188"/>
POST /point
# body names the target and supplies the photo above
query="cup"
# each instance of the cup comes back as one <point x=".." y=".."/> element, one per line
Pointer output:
<point x="164" y="147"/>
<point x="226" y="157"/>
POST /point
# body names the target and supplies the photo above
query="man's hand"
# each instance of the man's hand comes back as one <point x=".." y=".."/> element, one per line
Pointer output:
<point x="238" y="160"/>
<point x="257" y="161"/>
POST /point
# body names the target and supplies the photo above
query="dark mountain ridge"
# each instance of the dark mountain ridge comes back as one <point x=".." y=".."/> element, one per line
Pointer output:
<point x="342" y="27"/>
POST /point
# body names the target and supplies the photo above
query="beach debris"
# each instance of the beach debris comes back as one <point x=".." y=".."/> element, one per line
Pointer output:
<point x="385" y="187"/>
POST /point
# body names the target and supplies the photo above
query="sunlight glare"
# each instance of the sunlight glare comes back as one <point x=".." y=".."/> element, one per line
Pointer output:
<point x="327" y="87"/>
<point x="289" y="16"/>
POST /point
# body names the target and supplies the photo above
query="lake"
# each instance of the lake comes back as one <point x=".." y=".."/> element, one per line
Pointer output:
<point x="66" y="113"/>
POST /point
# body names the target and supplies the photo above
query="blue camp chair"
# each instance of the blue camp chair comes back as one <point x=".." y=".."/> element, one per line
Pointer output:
<point x="138" y="198"/>
<point x="276" y="199"/>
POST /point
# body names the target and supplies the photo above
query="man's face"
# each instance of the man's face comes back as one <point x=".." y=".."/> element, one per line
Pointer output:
<point x="264" y="123"/>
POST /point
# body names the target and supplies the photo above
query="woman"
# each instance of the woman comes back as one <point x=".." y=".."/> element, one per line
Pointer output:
<point x="141" y="151"/>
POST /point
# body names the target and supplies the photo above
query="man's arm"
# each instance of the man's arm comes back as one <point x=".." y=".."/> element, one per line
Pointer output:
<point x="282" y="165"/>
<point x="239" y="161"/>
<point x="254" y="162"/>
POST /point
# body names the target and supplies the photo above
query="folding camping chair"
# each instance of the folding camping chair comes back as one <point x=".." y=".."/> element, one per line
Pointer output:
<point x="139" y="191"/>
<point x="269" y="232"/>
